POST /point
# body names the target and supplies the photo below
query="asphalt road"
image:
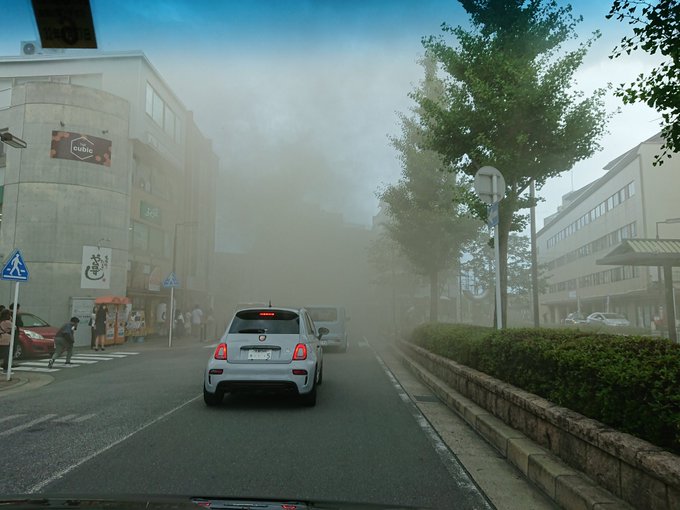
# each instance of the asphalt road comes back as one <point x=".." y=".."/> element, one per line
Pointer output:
<point x="136" y="424"/>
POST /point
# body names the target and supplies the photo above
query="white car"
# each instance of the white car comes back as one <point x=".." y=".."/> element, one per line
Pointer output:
<point x="269" y="349"/>
<point x="608" y="319"/>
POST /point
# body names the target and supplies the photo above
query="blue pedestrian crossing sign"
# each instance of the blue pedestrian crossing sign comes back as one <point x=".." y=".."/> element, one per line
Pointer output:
<point x="171" y="281"/>
<point x="15" y="268"/>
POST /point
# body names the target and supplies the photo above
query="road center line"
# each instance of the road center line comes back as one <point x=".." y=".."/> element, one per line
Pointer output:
<point x="67" y="470"/>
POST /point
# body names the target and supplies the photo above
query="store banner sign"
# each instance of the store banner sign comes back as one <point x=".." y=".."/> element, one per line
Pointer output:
<point x="80" y="147"/>
<point x="150" y="212"/>
<point x="95" y="270"/>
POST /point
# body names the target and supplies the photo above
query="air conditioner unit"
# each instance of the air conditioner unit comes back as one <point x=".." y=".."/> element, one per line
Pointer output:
<point x="30" y="48"/>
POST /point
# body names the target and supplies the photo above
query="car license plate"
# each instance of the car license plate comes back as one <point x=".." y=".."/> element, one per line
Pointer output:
<point x="260" y="354"/>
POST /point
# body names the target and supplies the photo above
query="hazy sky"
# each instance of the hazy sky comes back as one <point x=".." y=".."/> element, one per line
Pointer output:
<point x="308" y="91"/>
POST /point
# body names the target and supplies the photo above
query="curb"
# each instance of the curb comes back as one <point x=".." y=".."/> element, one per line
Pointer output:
<point x="569" y="489"/>
<point x="21" y="384"/>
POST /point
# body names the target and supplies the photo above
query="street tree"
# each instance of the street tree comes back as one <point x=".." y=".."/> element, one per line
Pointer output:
<point x="510" y="102"/>
<point x="479" y="262"/>
<point x="424" y="214"/>
<point x="656" y="30"/>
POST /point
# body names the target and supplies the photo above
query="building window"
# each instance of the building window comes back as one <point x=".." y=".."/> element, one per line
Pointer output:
<point x="162" y="114"/>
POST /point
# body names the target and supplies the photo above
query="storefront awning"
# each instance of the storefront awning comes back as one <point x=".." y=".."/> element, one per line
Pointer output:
<point x="650" y="252"/>
<point x="644" y="252"/>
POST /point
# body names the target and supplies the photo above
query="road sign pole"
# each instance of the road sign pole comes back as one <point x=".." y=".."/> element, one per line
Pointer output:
<point x="10" y="354"/>
<point x="497" y="249"/>
<point x="172" y="315"/>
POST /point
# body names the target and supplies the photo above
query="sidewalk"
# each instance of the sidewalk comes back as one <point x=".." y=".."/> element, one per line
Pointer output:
<point x="22" y="381"/>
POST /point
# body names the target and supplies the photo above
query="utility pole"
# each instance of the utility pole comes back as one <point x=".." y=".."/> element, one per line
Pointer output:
<point x="534" y="255"/>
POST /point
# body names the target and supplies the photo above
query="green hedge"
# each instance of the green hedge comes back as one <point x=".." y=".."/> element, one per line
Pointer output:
<point x="630" y="383"/>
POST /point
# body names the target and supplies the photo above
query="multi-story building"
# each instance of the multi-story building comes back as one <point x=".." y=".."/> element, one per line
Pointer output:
<point x="633" y="199"/>
<point x="115" y="188"/>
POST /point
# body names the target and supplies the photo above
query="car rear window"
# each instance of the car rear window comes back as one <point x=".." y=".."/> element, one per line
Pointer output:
<point x="323" y="314"/>
<point x="266" y="321"/>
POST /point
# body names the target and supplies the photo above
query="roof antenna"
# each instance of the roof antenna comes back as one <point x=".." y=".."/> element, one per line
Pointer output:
<point x="270" y="303"/>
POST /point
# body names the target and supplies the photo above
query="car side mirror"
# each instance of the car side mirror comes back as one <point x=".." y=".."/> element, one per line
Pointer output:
<point x="323" y="331"/>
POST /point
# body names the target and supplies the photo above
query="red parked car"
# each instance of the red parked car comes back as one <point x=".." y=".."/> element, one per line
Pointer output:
<point x="36" y="337"/>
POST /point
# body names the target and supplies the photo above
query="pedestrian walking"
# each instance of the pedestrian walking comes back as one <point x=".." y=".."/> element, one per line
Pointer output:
<point x="187" y="323"/>
<point x="64" y="340"/>
<point x="196" y="322"/>
<point x="100" y="328"/>
<point x="5" y="336"/>
<point x="93" y="331"/>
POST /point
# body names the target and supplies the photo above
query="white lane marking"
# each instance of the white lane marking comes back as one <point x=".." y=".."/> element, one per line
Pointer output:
<point x="33" y="369"/>
<point x="64" y="418"/>
<point x="85" y="417"/>
<point x="19" y="428"/>
<point x="39" y="486"/>
<point x="126" y="353"/>
<point x="7" y="418"/>
<point x="77" y="361"/>
<point x="34" y="363"/>
<point x="450" y="461"/>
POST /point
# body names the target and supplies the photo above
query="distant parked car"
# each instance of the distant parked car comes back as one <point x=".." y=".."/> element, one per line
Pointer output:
<point x="335" y="319"/>
<point x="36" y="337"/>
<point x="575" y="318"/>
<point x="608" y="319"/>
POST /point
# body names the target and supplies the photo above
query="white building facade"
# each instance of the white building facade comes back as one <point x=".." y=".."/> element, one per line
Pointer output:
<point x="633" y="199"/>
<point x="114" y="168"/>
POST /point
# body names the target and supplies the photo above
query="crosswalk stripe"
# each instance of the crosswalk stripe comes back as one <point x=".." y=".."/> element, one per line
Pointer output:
<point x="91" y="358"/>
<point x="33" y="369"/>
<point x="27" y="425"/>
<point x="42" y="365"/>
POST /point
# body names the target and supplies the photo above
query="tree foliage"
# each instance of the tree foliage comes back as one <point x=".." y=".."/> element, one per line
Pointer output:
<point x="656" y="30"/>
<point x="426" y="219"/>
<point x="479" y="265"/>
<point x="509" y="101"/>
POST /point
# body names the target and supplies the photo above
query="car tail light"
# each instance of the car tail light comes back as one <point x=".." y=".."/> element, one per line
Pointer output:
<point x="221" y="352"/>
<point x="300" y="352"/>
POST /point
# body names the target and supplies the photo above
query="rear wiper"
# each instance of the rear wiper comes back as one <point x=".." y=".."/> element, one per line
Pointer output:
<point x="252" y="330"/>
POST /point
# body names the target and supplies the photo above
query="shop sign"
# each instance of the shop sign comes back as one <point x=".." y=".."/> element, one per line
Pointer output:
<point x="80" y="147"/>
<point x="95" y="270"/>
<point x="150" y="212"/>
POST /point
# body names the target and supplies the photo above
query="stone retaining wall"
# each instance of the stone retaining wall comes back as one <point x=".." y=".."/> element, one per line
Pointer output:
<point x="634" y="470"/>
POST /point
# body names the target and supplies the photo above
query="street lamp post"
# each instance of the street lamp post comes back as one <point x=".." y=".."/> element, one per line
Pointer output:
<point x="174" y="240"/>
<point x="172" y="289"/>
<point x="9" y="139"/>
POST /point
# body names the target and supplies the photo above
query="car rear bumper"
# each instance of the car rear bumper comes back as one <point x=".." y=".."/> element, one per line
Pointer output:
<point x="333" y="341"/>
<point x="272" y="377"/>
